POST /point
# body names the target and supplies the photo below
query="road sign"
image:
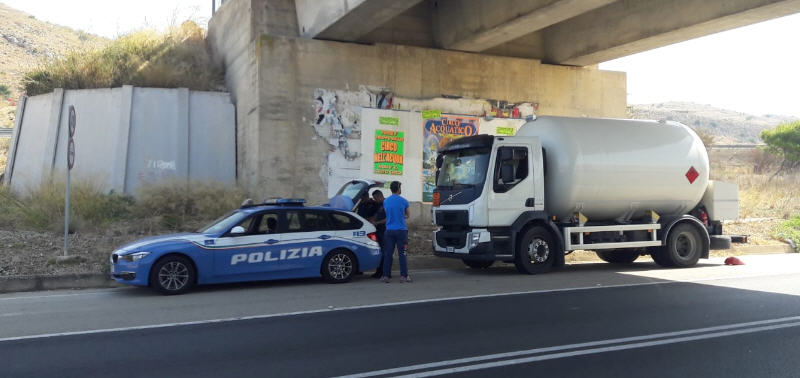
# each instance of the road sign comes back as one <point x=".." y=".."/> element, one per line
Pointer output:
<point x="71" y="154"/>
<point x="71" y="121"/>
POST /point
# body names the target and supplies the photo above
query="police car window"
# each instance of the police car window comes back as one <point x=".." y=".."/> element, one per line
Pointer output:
<point x="247" y="224"/>
<point x="268" y="224"/>
<point x="306" y="221"/>
<point x="293" y="221"/>
<point x="315" y="221"/>
<point x="340" y="221"/>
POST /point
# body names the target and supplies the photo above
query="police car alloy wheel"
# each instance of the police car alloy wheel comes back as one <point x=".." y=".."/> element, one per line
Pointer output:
<point x="339" y="266"/>
<point x="172" y="275"/>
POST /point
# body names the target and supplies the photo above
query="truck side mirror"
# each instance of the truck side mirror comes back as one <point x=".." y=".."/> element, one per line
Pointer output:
<point x="439" y="161"/>
<point x="507" y="173"/>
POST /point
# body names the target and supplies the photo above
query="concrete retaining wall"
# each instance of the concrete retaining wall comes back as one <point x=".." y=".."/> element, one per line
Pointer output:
<point x="125" y="137"/>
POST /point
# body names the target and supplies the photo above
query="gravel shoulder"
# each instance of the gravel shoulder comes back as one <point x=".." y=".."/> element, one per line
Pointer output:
<point x="24" y="253"/>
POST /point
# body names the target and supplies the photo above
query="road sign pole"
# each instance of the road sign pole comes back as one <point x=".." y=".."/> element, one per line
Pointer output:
<point x="66" y="216"/>
<point x="70" y="164"/>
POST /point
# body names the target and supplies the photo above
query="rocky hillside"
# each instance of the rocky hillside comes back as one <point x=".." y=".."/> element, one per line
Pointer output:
<point x="24" y="43"/>
<point x="727" y="126"/>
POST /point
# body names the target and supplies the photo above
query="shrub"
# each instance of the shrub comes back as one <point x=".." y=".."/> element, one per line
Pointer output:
<point x="146" y="59"/>
<point x="789" y="229"/>
<point x="4" y="91"/>
<point x="179" y="205"/>
<point x="784" y="141"/>
<point x="43" y="208"/>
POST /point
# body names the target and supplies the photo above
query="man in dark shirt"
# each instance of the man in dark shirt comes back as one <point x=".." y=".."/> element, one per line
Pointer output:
<point x="379" y="220"/>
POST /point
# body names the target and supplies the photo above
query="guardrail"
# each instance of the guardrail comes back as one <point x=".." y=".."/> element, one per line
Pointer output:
<point x="6" y="132"/>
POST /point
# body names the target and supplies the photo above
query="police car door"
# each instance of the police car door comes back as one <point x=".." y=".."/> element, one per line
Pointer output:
<point x="307" y="237"/>
<point x="252" y="253"/>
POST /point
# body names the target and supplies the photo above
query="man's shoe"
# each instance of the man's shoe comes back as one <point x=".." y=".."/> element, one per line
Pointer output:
<point x="405" y="279"/>
<point x="385" y="279"/>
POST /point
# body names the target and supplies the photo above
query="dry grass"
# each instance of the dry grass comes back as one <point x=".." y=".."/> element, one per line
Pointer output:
<point x="173" y="206"/>
<point x="183" y="206"/>
<point x="4" y="145"/>
<point x="177" y="58"/>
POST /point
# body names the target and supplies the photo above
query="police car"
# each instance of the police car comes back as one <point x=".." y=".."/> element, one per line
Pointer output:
<point x="273" y="240"/>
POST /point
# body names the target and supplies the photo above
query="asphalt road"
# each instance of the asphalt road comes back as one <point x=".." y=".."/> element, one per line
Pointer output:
<point x="586" y="320"/>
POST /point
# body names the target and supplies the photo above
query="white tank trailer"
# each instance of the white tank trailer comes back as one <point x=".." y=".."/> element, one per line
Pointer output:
<point x="622" y="188"/>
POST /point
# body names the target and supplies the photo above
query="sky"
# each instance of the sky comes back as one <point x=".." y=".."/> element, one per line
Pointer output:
<point x="754" y="69"/>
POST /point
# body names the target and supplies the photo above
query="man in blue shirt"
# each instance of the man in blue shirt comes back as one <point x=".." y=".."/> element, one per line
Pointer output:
<point x="396" y="208"/>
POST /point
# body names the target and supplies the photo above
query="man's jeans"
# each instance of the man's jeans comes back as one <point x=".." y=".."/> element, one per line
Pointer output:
<point x="392" y="239"/>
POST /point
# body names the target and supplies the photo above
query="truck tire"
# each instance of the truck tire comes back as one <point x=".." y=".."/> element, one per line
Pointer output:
<point x="618" y="256"/>
<point x="536" y="251"/>
<point x="478" y="264"/>
<point x="684" y="247"/>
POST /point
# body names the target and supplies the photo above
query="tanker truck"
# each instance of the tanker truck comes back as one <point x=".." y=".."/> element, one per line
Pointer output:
<point x="621" y="188"/>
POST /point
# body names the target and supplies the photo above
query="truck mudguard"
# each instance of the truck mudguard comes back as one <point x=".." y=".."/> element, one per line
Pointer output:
<point x="529" y="216"/>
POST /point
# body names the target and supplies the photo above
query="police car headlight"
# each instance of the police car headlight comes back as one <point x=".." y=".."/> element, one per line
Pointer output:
<point x="134" y="256"/>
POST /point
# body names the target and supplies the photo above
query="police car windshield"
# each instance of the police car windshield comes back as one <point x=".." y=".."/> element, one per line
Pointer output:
<point x="223" y="223"/>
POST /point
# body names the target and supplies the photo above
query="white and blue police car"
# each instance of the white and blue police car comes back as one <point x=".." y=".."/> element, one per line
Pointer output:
<point x="279" y="239"/>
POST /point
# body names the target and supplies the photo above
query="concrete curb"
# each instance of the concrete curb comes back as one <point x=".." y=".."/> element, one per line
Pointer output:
<point x="62" y="281"/>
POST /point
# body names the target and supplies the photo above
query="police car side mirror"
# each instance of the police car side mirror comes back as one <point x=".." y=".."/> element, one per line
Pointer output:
<point x="238" y="230"/>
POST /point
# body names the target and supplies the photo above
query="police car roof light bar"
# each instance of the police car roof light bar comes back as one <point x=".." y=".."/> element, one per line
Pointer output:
<point x="285" y="201"/>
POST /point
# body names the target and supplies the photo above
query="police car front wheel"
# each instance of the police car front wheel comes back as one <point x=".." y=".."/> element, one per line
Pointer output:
<point x="339" y="266"/>
<point x="172" y="275"/>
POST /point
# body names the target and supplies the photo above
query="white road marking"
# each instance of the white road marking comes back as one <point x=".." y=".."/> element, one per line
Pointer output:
<point x="599" y="346"/>
<point x="346" y="308"/>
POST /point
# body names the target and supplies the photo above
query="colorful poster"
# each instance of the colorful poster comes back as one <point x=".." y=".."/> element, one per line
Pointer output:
<point x="388" y="152"/>
<point x="437" y="132"/>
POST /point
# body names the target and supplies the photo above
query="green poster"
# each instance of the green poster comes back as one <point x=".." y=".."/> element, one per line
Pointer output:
<point x="426" y="114"/>
<point x="505" y="131"/>
<point x="392" y="121"/>
<point x="388" y="152"/>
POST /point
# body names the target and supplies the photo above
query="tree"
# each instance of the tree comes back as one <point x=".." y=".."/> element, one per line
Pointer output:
<point x="784" y="141"/>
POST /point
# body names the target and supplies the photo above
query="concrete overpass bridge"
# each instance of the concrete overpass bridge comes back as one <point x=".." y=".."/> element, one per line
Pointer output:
<point x="567" y="32"/>
<point x="314" y="80"/>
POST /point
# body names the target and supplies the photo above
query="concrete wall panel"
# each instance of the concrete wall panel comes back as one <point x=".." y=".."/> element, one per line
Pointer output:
<point x="29" y="157"/>
<point x="126" y="137"/>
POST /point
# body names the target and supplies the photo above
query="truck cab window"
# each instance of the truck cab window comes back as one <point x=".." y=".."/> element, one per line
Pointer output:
<point x="511" y="168"/>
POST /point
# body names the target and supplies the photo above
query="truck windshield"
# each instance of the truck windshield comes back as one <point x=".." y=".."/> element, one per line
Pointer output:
<point x="463" y="168"/>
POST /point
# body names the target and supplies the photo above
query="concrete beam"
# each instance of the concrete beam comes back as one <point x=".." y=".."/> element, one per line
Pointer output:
<point x="346" y="20"/>
<point x="628" y="27"/>
<point x="478" y="25"/>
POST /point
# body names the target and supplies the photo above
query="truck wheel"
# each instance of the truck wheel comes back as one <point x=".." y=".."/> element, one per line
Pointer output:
<point x="535" y="252"/>
<point x="172" y="275"/>
<point x="684" y="247"/>
<point x="657" y="255"/>
<point x="618" y="256"/>
<point x="474" y="264"/>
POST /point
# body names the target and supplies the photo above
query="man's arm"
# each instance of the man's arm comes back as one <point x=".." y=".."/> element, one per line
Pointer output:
<point x="408" y="214"/>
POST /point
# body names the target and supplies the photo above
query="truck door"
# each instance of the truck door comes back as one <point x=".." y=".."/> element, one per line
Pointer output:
<point x="516" y="180"/>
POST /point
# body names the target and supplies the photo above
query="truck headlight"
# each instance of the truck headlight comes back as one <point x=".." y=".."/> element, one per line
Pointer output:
<point x="134" y="256"/>
<point x="474" y="239"/>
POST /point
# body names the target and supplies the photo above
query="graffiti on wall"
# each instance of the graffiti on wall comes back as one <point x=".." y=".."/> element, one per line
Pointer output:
<point x="337" y="120"/>
<point x="437" y="132"/>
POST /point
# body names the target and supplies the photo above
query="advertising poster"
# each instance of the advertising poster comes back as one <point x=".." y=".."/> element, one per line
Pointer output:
<point x="437" y="132"/>
<point x="388" y="152"/>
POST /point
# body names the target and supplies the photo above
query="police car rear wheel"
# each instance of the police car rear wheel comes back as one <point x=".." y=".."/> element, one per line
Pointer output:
<point x="339" y="266"/>
<point x="172" y="275"/>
